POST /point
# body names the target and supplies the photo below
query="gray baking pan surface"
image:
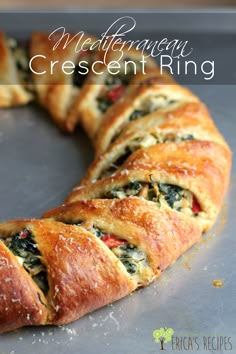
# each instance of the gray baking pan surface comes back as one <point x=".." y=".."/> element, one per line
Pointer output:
<point x="39" y="166"/>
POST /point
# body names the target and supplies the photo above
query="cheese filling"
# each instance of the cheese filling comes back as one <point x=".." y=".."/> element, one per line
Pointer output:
<point x="21" y="57"/>
<point x="150" y="105"/>
<point x="110" y="92"/>
<point x="144" y="142"/>
<point x="24" y="247"/>
<point x="114" y="87"/>
<point x="172" y="196"/>
<point x="133" y="258"/>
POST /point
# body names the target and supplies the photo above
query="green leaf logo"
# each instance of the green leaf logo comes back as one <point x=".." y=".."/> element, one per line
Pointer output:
<point x="163" y="335"/>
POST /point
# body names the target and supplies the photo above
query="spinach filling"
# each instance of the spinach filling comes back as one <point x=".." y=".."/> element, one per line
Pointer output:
<point x="114" y="80"/>
<point x="130" y="190"/>
<point x="170" y="195"/>
<point x="131" y="256"/>
<point x="104" y="100"/>
<point x="25" y="248"/>
<point x="103" y="103"/>
<point x="97" y="232"/>
<point x="151" y="106"/>
<point x="188" y="137"/>
<point x="138" y="143"/>
<point x="137" y="113"/>
<point x="79" y="76"/>
<point x="113" y="87"/>
<point x="20" y="51"/>
<point x="116" y="164"/>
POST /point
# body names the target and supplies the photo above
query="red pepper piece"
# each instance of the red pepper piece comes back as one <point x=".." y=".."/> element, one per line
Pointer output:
<point x="111" y="241"/>
<point x="115" y="93"/>
<point x="196" y="208"/>
<point x="24" y="234"/>
<point x="83" y="53"/>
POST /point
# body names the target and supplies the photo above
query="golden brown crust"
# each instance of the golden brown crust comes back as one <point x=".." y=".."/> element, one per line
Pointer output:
<point x="83" y="275"/>
<point x="187" y="155"/>
<point x="12" y="92"/>
<point x="19" y="299"/>
<point x="187" y="117"/>
<point x="190" y="118"/>
<point x="198" y="166"/>
<point x="163" y="234"/>
<point x="55" y="91"/>
<point x="85" y="108"/>
<point x="160" y="85"/>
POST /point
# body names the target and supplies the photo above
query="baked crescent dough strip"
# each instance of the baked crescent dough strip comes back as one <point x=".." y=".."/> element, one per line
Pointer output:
<point x="186" y="122"/>
<point x="199" y="167"/>
<point x="154" y="230"/>
<point x="13" y="90"/>
<point x="101" y="91"/>
<point x="81" y="273"/>
<point x="56" y="91"/>
<point x="158" y="182"/>
<point x="149" y="94"/>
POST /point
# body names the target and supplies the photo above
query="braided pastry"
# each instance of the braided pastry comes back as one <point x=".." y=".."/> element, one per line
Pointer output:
<point x="14" y="73"/>
<point x="101" y="91"/>
<point x="149" y="93"/>
<point x="140" y="235"/>
<point x="56" y="90"/>
<point x="186" y="121"/>
<point x="52" y="273"/>
<point x="157" y="183"/>
<point x="170" y="155"/>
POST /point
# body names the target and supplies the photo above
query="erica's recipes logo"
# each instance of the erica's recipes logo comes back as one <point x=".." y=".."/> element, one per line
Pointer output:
<point x="168" y="339"/>
<point x="163" y="335"/>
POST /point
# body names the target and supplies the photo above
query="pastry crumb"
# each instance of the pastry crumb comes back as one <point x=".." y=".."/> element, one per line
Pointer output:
<point x="217" y="283"/>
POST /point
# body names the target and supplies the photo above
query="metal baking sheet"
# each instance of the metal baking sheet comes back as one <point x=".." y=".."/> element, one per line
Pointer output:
<point x="39" y="166"/>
